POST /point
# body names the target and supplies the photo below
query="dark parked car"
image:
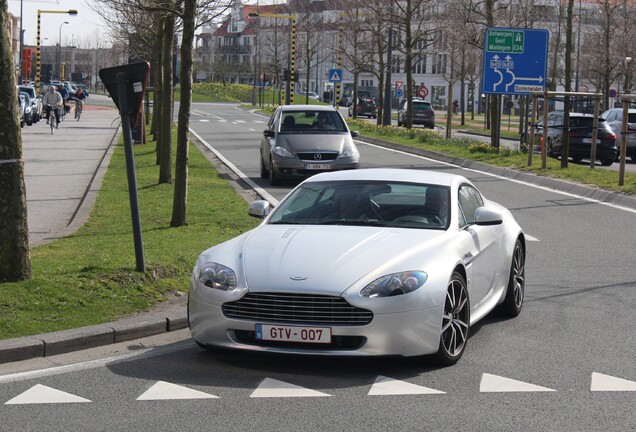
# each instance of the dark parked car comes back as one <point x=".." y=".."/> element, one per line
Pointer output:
<point x="423" y="113"/>
<point x="581" y="126"/>
<point x="365" y="107"/>
<point x="614" y="118"/>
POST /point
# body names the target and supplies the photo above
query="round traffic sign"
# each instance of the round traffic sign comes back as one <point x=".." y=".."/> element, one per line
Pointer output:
<point x="612" y="93"/>
<point x="399" y="92"/>
<point x="422" y="91"/>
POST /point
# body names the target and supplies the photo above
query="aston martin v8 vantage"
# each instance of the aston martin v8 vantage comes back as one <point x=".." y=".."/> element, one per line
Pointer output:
<point x="362" y="263"/>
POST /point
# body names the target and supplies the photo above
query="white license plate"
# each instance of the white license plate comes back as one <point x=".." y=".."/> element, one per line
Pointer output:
<point x="318" y="166"/>
<point x="293" y="333"/>
<point x="587" y="140"/>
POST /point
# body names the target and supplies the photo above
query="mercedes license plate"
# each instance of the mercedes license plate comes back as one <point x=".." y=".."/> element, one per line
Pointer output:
<point x="284" y="333"/>
<point x="317" y="166"/>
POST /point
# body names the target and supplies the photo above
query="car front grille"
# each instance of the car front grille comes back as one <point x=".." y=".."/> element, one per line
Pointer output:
<point x="318" y="156"/>
<point x="297" y="309"/>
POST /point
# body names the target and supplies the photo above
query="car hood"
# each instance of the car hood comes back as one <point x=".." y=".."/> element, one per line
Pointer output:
<point x="321" y="141"/>
<point x="326" y="259"/>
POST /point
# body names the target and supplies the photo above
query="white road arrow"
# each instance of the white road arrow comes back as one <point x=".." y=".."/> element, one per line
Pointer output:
<point x="498" y="384"/>
<point x="41" y="394"/>
<point x="274" y="388"/>
<point x="389" y="386"/>
<point x="602" y="382"/>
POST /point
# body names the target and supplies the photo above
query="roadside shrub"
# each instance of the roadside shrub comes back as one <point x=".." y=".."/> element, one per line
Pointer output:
<point x="481" y="148"/>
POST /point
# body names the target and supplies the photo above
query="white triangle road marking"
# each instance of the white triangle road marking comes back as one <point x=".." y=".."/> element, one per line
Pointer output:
<point x="162" y="390"/>
<point x="530" y="238"/>
<point x="275" y="388"/>
<point x="601" y="382"/>
<point x="41" y="394"/>
<point x="390" y="386"/>
<point x="498" y="384"/>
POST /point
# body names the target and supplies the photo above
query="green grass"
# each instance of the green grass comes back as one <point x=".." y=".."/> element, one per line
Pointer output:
<point x="89" y="278"/>
<point x="467" y="148"/>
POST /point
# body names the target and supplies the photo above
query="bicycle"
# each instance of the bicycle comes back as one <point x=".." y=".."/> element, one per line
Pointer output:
<point x="52" y="120"/>
<point x="79" y="105"/>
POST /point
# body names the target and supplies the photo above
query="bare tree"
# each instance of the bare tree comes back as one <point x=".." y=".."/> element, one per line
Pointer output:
<point x="15" y="263"/>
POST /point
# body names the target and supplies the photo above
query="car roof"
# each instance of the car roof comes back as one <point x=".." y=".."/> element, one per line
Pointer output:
<point x="389" y="174"/>
<point x="289" y="108"/>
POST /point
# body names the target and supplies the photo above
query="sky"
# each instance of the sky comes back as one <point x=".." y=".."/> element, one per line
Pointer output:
<point x="84" y="27"/>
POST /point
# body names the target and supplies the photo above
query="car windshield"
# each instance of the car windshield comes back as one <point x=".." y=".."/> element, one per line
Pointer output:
<point x="366" y="203"/>
<point x="311" y="121"/>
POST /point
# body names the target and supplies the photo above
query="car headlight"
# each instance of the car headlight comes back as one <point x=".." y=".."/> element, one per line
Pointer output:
<point x="395" y="284"/>
<point x="283" y="152"/>
<point x="350" y="152"/>
<point x="217" y="276"/>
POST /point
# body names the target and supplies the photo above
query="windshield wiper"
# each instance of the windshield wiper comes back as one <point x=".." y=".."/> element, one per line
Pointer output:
<point x="361" y="222"/>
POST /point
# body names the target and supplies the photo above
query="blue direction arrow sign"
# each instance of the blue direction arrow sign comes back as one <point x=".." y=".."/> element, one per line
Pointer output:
<point x="335" y="75"/>
<point x="399" y="92"/>
<point x="515" y="60"/>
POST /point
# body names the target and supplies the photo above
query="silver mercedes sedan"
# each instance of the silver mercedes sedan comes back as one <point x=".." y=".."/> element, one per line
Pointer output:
<point x="362" y="263"/>
<point x="303" y="140"/>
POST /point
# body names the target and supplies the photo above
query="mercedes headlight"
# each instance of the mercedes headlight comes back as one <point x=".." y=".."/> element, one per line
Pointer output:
<point x="395" y="284"/>
<point x="217" y="276"/>
<point x="283" y="152"/>
<point x="350" y="152"/>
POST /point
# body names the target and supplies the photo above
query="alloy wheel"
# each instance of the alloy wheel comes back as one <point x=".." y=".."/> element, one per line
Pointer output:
<point x="518" y="275"/>
<point x="455" y="319"/>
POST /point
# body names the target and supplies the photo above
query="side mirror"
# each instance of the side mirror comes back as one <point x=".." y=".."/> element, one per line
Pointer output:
<point x="268" y="133"/>
<point x="355" y="133"/>
<point x="485" y="217"/>
<point x="259" y="209"/>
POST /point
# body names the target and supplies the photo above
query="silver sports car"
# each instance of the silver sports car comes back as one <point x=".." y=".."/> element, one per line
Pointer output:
<point x="303" y="140"/>
<point x="362" y="263"/>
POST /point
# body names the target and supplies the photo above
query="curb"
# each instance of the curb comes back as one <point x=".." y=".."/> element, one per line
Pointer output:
<point x="50" y="344"/>
<point x="601" y="195"/>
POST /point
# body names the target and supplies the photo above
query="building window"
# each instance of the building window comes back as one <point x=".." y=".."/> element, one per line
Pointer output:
<point x="440" y="63"/>
<point x="419" y="67"/>
<point x="367" y="83"/>
<point x="395" y="64"/>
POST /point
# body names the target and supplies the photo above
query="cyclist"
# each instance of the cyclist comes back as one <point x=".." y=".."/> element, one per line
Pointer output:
<point x="80" y="95"/>
<point x="53" y="100"/>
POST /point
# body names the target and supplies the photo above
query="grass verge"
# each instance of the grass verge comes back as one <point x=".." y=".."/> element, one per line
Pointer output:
<point x="467" y="148"/>
<point x="89" y="278"/>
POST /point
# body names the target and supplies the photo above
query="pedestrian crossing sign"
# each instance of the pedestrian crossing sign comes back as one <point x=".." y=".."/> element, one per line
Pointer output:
<point x="335" y="75"/>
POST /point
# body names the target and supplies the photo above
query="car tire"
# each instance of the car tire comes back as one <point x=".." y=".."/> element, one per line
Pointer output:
<point x="515" y="292"/>
<point x="577" y="159"/>
<point x="399" y="123"/>
<point x="264" y="172"/>
<point x="455" y="322"/>
<point x="607" y="162"/>
<point x="274" y="180"/>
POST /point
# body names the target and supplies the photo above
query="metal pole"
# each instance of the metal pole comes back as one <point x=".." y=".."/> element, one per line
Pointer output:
<point x="21" y="45"/>
<point x="533" y="118"/>
<point x="624" y="132"/>
<point x="130" y="170"/>
<point x="386" y="112"/>
<point x="594" y="132"/>
<point x="292" y="76"/>
<point x="544" y="143"/>
<point x="37" y="56"/>
<point x="578" y="53"/>
<point x="339" y="64"/>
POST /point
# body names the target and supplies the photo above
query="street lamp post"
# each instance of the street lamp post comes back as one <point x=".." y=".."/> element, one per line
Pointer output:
<point x="59" y="52"/>
<point x="37" y="55"/>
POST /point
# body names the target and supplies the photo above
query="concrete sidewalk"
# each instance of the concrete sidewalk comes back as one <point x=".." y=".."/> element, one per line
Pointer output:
<point x="62" y="171"/>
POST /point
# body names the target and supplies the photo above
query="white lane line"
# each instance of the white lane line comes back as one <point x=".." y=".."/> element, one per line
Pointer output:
<point x="252" y="130"/>
<point x="93" y="364"/>
<point x="259" y="121"/>
<point x="162" y="390"/>
<point x="271" y="388"/>
<point x="41" y="394"/>
<point x="498" y="384"/>
<point x="239" y="121"/>
<point x="385" y="386"/>
<point x="601" y="382"/>
<point x="204" y="120"/>
<point x="259" y="190"/>
<point x="521" y="182"/>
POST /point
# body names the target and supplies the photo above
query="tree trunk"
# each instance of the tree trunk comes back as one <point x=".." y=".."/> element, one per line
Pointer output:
<point x="15" y="263"/>
<point x="179" y="203"/>
<point x="158" y="82"/>
<point x="494" y="99"/>
<point x="408" y="65"/>
<point x="565" y="138"/>
<point x="165" y="166"/>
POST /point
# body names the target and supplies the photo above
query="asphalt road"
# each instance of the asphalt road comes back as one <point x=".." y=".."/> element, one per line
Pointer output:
<point x="575" y="330"/>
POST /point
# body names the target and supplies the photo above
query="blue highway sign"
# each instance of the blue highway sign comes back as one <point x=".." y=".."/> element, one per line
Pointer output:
<point x="515" y="60"/>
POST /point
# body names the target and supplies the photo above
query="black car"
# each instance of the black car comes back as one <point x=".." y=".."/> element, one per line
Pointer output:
<point x="365" y="107"/>
<point x="580" y="133"/>
<point x="423" y="113"/>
